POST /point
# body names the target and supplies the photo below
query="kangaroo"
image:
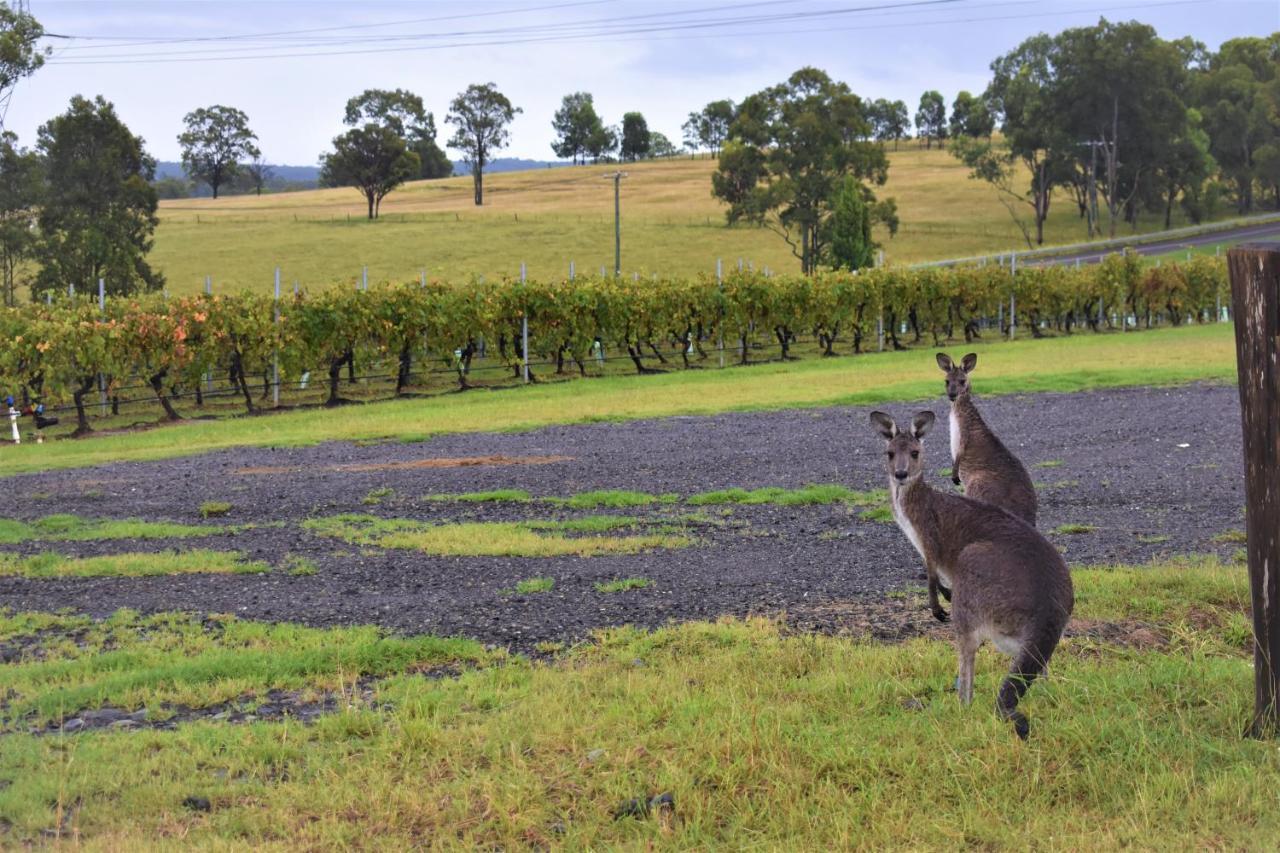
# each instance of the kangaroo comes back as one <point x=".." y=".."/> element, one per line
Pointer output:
<point x="989" y="472"/>
<point x="1008" y="584"/>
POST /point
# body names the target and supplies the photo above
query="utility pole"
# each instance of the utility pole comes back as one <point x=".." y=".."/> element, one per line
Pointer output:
<point x="1091" y="192"/>
<point x="617" y="177"/>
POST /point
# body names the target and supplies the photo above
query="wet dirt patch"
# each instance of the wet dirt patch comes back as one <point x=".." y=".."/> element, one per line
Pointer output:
<point x="414" y="465"/>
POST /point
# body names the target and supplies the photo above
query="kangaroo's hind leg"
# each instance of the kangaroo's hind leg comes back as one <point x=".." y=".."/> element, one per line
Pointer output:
<point x="967" y="642"/>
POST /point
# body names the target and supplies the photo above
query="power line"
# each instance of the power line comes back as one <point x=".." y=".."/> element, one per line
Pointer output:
<point x="585" y="31"/>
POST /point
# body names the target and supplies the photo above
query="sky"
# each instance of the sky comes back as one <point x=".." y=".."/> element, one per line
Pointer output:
<point x="291" y="65"/>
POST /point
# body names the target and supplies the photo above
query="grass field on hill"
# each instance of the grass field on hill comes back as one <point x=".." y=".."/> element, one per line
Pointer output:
<point x="1068" y="363"/>
<point x="670" y="222"/>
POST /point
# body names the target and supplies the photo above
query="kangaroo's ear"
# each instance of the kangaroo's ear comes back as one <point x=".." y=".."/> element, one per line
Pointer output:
<point x="944" y="362"/>
<point x="884" y="424"/>
<point x="921" y="423"/>
<point x="969" y="362"/>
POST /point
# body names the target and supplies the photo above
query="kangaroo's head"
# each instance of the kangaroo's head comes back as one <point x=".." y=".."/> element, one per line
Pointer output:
<point x="904" y="456"/>
<point x="957" y="383"/>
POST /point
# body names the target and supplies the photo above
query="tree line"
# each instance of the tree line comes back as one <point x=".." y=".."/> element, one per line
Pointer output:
<point x="54" y="353"/>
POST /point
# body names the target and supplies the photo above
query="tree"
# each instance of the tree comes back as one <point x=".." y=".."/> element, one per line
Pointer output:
<point x="99" y="209"/>
<point x="1239" y="99"/>
<point x="19" y="56"/>
<point x="890" y="120"/>
<point x="575" y="123"/>
<point x="1184" y="165"/>
<point x="709" y="127"/>
<point x="851" y="245"/>
<point x="404" y="113"/>
<point x="635" y="137"/>
<point x="374" y="159"/>
<point x="217" y="138"/>
<point x="1021" y="94"/>
<point x="789" y="148"/>
<point x="1119" y="85"/>
<point x="21" y="185"/>
<point x="480" y="115"/>
<point x="970" y="116"/>
<point x="661" y="146"/>
<point x="602" y="142"/>
<point x="259" y="174"/>
<point x="931" y="118"/>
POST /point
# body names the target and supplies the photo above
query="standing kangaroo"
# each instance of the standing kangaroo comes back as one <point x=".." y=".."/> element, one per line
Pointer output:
<point x="1008" y="584"/>
<point x="989" y="472"/>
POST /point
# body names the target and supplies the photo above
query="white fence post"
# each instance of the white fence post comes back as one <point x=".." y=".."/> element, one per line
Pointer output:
<point x="275" y="358"/>
<point x="571" y="271"/>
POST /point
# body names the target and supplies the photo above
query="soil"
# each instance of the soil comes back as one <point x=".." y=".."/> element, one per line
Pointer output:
<point x="1153" y="471"/>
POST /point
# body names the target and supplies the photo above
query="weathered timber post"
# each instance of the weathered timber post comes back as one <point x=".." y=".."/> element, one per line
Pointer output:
<point x="1255" y="296"/>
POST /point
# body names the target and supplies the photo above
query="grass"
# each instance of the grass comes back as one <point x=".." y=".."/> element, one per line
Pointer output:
<point x="51" y="565"/>
<point x="299" y="566"/>
<point x="495" y="496"/>
<point x="494" y="539"/>
<point x="1153" y="539"/>
<point x="615" y="498"/>
<point x="762" y="737"/>
<point x="1072" y="529"/>
<point x="623" y="584"/>
<point x="214" y="509"/>
<point x="804" y="496"/>
<point x="1078" y="362"/>
<point x="1231" y="537"/>
<point x="535" y="585"/>
<point x="72" y="528"/>
<point x="1049" y="463"/>
<point x="882" y="514"/>
<point x="376" y="496"/>
<point x="547" y="217"/>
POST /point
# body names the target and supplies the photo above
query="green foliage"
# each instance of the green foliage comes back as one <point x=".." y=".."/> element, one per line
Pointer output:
<point x="212" y="509"/>
<point x="609" y="498"/>
<point x="794" y="143"/>
<point x="214" y="143"/>
<point x="575" y="124"/>
<point x="99" y="209"/>
<point x="535" y="585"/>
<point x="374" y="159"/>
<point x="494" y="496"/>
<point x="1072" y="529"/>
<point x="375" y="496"/>
<point x="634" y="144"/>
<point x="404" y="113"/>
<point x="623" y="584"/>
<point x="804" y="496"/>
<point x="21" y="188"/>
<point x="851" y="245"/>
<point x="19" y="54"/>
<point x="931" y="118"/>
<point x="481" y="116"/>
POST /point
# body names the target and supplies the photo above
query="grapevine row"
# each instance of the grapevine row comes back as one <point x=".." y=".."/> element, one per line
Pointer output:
<point x="62" y="353"/>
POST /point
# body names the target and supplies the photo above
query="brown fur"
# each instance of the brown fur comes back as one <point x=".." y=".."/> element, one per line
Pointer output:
<point x="1008" y="583"/>
<point x="986" y="468"/>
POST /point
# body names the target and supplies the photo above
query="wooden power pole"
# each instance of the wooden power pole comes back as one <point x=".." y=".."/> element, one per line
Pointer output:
<point x="1255" y="297"/>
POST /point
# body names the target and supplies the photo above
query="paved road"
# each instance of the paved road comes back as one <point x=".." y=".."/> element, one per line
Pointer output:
<point x="1264" y="231"/>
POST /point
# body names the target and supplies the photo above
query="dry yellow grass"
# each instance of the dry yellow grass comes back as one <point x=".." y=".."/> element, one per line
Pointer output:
<point x="547" y="217"/>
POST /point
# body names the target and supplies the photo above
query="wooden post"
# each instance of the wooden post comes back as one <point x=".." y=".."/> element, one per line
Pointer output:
<point x="1255" y="295"/>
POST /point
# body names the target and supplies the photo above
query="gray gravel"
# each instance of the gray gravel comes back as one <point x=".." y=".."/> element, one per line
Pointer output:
<point x="1123" y="470"/>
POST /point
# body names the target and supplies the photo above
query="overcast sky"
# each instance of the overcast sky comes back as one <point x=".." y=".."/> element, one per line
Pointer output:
<point x="292" y="64"/>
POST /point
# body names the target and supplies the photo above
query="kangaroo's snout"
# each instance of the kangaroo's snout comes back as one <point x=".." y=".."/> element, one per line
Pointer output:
<point x="900" y="474"/>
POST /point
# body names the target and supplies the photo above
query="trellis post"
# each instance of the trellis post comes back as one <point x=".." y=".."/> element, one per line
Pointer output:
<point x="1254" y="270"/>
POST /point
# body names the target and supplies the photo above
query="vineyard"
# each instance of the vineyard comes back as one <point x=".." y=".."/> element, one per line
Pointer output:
<point x="79" y="351"/>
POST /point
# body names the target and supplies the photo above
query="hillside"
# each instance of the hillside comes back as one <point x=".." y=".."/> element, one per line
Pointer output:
<point x="547" y="217"/>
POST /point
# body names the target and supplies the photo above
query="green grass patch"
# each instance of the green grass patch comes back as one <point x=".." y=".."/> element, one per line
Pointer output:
<point x="623" y="584"/>
<point x="1072" y="529"/>
<point x="1232" y="537"/>
<point x="1068" y="363"/>
<point x="804" y="496"/>
<point x="51" y="565"/>
<point x="535" y="585"/>
<point x="788" y="741"/>
<point x="882" y="514"/>
<point x="73" y="528"/>
<point x="299" y="566"/>
<point x="214" y="509"/>
<point x="1049" y="463"/>
<point x="495" y="496"/>
<point x="376" y="496"/>
<point x="614" y="498"/>
<point x="494" y="539"/>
